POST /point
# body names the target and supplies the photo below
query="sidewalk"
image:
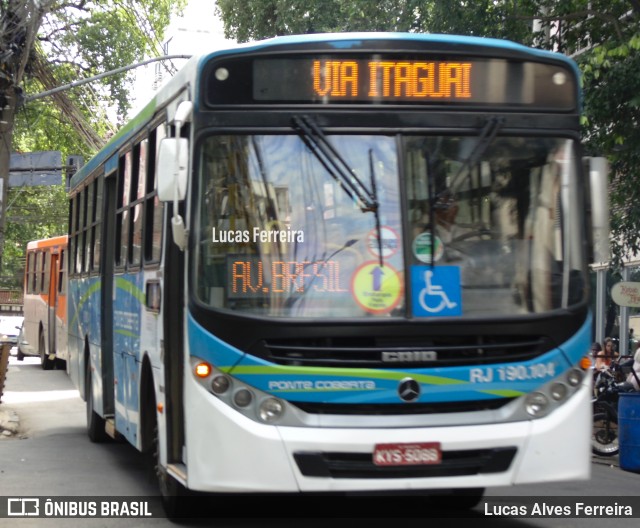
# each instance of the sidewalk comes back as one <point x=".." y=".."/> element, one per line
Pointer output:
<point x="38" y="401"/>
<point x="9" y="422"/>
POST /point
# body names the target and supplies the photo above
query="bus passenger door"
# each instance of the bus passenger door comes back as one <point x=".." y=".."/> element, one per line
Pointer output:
<point x="53" y="302"/>
<point x="62" y="348"/>
<point x="106" y="294"/>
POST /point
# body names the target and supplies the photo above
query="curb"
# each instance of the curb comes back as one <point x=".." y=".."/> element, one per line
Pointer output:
<point x="612" y="461"/>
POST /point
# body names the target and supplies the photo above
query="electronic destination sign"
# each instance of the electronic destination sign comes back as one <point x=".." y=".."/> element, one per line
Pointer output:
<point x="390" y="79"/>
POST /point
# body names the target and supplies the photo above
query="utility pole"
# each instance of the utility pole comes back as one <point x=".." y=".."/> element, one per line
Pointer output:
<point x="20" y="21"/>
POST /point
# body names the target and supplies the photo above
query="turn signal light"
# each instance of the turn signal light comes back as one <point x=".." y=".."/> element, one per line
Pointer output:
<point x="202" y="370"/>
<point x="585" y="362"/>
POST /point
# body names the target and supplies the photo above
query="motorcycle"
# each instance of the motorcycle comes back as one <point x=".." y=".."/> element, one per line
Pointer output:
<point x="607" y="388"/>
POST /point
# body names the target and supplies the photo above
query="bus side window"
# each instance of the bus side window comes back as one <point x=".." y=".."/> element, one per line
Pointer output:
<point x="61" y="272"/>
<point x="26" y="274"/>
<point x="90" y="190"/>
<point x="73" y="227"/>
<point x="31" y="267"/>
<point x="122" y="211"/>
<point x="138" y="185"/>
<point x="82" y="199"/>
<point x="34" y="275"/>
<point x="97" y="224"/>
<point x="40" y="272"/>
<point x="46" y="272"/>
<point x="154" y="208"/>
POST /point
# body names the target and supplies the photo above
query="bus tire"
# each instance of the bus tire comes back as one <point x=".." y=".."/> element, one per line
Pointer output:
<point x="173" y="494"/>
<point x="467" y="499"/>
<point x="45" y="362"/>
<point x="95" y="423"/>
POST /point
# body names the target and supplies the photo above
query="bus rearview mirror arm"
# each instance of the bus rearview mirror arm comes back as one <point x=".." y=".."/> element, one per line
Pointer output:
<point x="179" y="230"/>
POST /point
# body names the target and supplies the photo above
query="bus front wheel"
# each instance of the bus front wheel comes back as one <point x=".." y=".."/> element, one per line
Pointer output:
<point x="461" y="499"/>
<point x="173" y="494"/>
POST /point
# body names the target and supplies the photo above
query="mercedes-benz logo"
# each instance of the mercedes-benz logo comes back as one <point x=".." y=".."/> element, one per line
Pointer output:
<point x="409" y="389"/>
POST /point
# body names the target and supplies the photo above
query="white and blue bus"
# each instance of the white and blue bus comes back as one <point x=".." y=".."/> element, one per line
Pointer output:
<point x="341" y="263"/>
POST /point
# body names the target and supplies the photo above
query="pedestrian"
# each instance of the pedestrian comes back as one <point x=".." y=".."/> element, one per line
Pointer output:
<point x="634" y="375"/>
<point x="603" y="355"/>
<point x="596" y="348"/>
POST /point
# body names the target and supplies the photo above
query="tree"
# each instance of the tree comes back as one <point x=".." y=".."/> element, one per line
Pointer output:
<point x="47" y="43"/>
<point x="247" y="20"/>
<point x="602" y="35"/>
<point x="612" y="126"/>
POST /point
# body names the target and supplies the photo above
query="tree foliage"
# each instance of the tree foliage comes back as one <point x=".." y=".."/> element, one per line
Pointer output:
<point x="33" y="214"/>
<point x="49" y="43"/>
<point x="89" y="37"/>
<point x="602" y="35"/>
<point x="247" y="20"/>
<point x="612" y="127"/>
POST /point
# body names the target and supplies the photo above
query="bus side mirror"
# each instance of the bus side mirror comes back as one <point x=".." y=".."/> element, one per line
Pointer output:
<point x="173" y="159"/>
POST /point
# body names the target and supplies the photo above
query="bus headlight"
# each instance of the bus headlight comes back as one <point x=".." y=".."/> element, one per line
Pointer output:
<point x="243" y="398"/>
<point x="536" y="404"/>
<point x="559" y="391"/>
<point x="574" y="377"/>
<point x="270" y="409"/>
<point x="250" y="401"/>
<point x="220" y="384"/>
<point x="553" y="394"/>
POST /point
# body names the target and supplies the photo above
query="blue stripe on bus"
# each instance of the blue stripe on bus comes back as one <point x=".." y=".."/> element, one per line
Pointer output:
<point x="341" y="385"/>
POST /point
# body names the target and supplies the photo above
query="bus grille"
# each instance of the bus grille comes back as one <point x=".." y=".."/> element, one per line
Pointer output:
<point x="395" y="409"/>
<point x="399" y="352"/>
<point x="360" y="465"/>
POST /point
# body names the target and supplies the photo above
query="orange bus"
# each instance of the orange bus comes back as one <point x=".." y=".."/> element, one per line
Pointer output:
<point x="45" y="302"/>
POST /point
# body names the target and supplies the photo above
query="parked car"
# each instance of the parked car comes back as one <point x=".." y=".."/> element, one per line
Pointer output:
<point x="10" y="329"/>
<point x="20" y="349"/>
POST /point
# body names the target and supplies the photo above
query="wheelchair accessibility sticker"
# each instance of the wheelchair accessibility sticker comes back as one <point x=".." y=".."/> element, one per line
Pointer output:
<point x="436" y="291"/>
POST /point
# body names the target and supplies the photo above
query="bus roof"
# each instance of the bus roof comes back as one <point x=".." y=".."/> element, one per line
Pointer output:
<point x="48" y="242"/>
<point x="355" y="40"/>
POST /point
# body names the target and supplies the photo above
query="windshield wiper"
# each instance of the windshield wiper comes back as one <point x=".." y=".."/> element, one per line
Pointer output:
<point x="432" y="214"/>
<point x="376" y="211"/>
<point x="317" y="142"/>
<point x="334" y="163"/>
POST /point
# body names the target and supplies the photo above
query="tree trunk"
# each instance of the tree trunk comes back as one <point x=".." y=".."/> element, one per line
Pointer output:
<point x="6" y="135"/>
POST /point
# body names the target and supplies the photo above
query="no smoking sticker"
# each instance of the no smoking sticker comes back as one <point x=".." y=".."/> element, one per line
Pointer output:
<point x="376" y="289"/>
<point x="389" y="242"/>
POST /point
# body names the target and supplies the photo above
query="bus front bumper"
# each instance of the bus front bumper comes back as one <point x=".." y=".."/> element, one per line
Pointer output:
<point x="227" y="452"/>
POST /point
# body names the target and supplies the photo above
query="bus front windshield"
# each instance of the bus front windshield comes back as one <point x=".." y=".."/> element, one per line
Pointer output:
<point x="496" y="230"/>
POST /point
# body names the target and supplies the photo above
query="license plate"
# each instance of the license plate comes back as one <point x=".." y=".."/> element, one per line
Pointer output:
<point x="407" y="454"/>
